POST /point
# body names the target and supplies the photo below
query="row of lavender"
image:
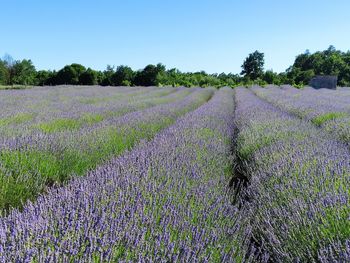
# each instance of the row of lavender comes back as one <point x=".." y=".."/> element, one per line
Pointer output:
<point x="32" y="163"/>
<point x="164" y="201"/>
<point x="58" y="109"/>
<point x="296" y="202"/>
<point x="329" y="109"/>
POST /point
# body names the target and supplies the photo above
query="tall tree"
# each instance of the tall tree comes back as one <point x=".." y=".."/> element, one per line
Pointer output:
<point x="88" y="77"/>
<point x="70" y="74"/>
<point x="107" y="76"/>
<point x="24" y="73"/>
<point x="9" y="63"/>
<point x="123" y="76"/>
<point x="4" y="74"/>
<point x="149" y="75"/>
<point x="253" y="65"/>
<point x="45" y="77"/>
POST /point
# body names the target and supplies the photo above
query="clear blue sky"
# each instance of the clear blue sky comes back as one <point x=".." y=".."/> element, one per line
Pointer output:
<point x="192" y="35"/>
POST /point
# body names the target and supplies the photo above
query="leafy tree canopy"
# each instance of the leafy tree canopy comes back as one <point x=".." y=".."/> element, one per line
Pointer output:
<point x="253" y="65"/>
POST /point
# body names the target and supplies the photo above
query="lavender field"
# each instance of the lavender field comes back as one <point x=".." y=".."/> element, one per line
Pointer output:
<point x="152" y="174"/>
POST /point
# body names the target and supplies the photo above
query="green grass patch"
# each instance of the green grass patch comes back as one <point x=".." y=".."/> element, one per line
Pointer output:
<point x="16" y="119"/>
<point x="321" y="119"/>
<point x="59" y="125"/>
<point x="93" y="100"/>
<point x="5" y="87"/>
<point x="64" y="124"/>
<point x="91" y="118"/>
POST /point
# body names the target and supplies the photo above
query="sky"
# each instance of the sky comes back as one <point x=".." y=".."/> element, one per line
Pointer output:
<point x="191" y="35"/>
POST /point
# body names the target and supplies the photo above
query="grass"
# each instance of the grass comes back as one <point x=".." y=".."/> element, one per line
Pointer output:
<point x="5" y="87"/>
<point x="16" y="119"/>
<point x="61" y="124"/>
<point x="64" y="124"/>
<point x="321" y="119"/>
<point x="92" y="118"/>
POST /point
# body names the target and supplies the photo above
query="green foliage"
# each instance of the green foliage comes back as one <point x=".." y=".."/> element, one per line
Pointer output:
<point x="253" y="66"/>
<point x="149" y="75"/>
<point x="70" y="74"/>
<point x="106" y="79"/>
<point x="327" y="62"/>
<point x="175" y="78"/>
<point x="24" y="73"/>
<point x="92" y="118"/>
<point x="319" y="120"/>
<point x="305" y="67"/>
<point x="16" y="119"/>
<point x="45" y="77"/>
<point x="4" y="74"/>
<point x="64" y="124"/>
<point x="88" y="77"/>
<point x="123" y="76"/>
<point x="271" y="77"/>
<point x="59" y="125"/>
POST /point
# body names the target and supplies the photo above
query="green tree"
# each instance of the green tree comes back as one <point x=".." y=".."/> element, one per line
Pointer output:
<point x="123" y="76"/>
<point x="45" y="77"/>
<point x="70" y="74"/>
<point x="88" y="77"/>
<point x="106" y="79"/>
<point x="149" y="75"/>
<point x="24" y="73"/>
<point x="4" y="74"/>
<point x="253" y="65"/>
<point x="328" y="62"/>
<point x="9" y="63"/>
<point x="271" y="77"/>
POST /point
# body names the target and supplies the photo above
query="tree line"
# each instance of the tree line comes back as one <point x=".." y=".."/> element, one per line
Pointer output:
<point x="305" y="66"/>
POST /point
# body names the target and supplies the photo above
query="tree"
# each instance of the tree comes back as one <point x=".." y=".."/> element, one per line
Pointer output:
<point x="45" y="77"/>
<point x="9" y="64"/>
<point x="70" y="74"/>
<point x="107" y="76"/>
<point x="24" y="73"/>
<point x="123" y="76"/>
<point x="149" y="75"/>
<point x="327" y="62"/>
<point x="253" y="66"/>
<point x="88" y="77"/>
<point x="271" y="77"/>
<point x="4" y="74"/>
